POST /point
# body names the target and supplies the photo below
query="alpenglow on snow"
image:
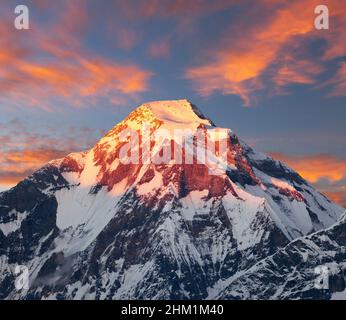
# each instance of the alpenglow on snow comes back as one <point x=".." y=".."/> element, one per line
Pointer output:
<point x="91" y="226"/>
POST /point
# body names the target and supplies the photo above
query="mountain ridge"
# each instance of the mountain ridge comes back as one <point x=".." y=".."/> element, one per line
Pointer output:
<point x="90" y="226"/>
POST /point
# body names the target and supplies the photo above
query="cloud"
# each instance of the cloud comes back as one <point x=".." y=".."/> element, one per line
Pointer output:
<point x="335" y="190"/>
<point x="126" y="38"/>
<point x="338" y="82"/>
<point x="171" y="8"/>
<point x="41" y="68"/>
<point x="160" y="49"/>
<point x="316" y="167"/>
<point x="327" y="173"/>
<point x="266" y="51"/>
<point x="24" y="150"/>
<point x="337" y="196"/>
<point x="78" y="77"/>
<point x="258" y="51"/>
<point x="181" y="17"/>
<point x="297" y="71"/>
<point x="16" y="165"/>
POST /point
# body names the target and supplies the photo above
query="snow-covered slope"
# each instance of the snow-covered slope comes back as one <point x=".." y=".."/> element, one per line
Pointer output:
<point x="312" y="267"/>
<point x="91" y="226"/>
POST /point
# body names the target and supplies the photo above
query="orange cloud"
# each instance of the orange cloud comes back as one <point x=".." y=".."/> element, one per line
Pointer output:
<point x="256" y="52"/>
<point x="338" y="82"/>
<point x="45" y="66"/>
<point x="314" y="168"/>
<point x="298" y="71"/>
<point x="74" y="79"/>
<point x="17" y="165"/>
<point x="336" y="35"/>
<point x="327" y="173"/>
<point x="337" y="196"/>
<point x="22" y="151"/>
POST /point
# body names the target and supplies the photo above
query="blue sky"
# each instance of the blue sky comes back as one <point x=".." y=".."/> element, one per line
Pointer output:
<point x="261" y="69"/>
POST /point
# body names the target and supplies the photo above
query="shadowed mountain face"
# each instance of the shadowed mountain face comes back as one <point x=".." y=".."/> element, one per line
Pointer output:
<point x="92" y="226"/>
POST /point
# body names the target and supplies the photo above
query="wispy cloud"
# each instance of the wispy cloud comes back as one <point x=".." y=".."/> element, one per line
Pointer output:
<point x="126" y="38"/>
<point x="17" y="165"/>
<point x="259" y="51"/>
<point x="23" y="150"/>
<point x="159" y="49"/>
<point x="338" y="82"/>
<point x="167" y="8"/>
<point x="42" y="67"/>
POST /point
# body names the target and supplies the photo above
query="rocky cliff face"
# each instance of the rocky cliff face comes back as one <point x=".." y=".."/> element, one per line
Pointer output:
<point x="91" y="226"/>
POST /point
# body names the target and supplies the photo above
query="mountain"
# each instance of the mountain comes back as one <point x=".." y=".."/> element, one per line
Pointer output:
<point x="293" y="271"/>
<point x="94" y="225"/>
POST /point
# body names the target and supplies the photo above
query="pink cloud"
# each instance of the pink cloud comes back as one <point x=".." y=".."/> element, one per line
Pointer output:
<point x="42" y="66"/>
<point x="256" y="52"/>
<point x="159" y="49"/>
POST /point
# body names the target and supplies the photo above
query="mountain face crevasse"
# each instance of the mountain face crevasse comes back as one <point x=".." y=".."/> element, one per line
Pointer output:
<point x="91" y="227"/>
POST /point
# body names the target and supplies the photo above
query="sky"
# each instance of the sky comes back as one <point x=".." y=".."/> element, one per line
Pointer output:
<point x="258" y="67"/>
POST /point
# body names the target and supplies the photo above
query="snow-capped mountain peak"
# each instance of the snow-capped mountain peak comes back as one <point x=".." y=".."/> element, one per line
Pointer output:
<point x="171" y="114"/>
<point x="176" y="113"/>
<point x="104" y="228"/>
<point x="157" y="124"/>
